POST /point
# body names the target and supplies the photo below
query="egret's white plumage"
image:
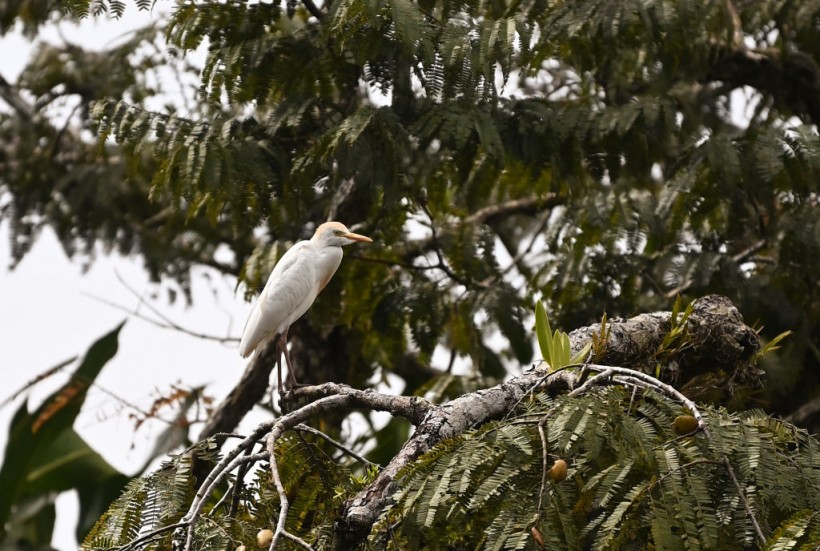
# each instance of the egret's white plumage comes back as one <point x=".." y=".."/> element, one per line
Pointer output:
<point x="299" y="276"/>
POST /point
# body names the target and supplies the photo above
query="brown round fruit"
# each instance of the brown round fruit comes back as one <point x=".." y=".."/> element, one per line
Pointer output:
<point x="684" y="424"/>
<point x="263" y="538"/>
<point x="558" y="471"/>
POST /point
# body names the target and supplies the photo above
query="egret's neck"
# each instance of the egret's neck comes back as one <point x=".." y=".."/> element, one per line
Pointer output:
<point x="329" y="260"/>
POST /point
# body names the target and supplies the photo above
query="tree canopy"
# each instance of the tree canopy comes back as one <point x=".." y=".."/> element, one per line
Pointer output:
<point x="603" y="156"/>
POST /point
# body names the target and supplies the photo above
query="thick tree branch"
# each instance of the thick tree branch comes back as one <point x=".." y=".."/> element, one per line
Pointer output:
<point x="716" y="330"/>
<point x="718" y="339"/>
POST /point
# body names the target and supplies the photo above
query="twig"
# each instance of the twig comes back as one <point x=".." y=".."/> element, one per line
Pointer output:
<point x="348" y="398"/>
<point x="296" y="539"/>
<point x="165" y="324"/>
<point x="165" y="318"/>
<point x="338" y="445"/>
<point x="513" y="206"/>
<point x="538" y="383"/>
<point x="543" y="436"/>
<point x="600" y="377"/>
<point x="152" y="534"/>
<point x="313" y="9"/>
<point x="243" y="467"/>
<point x="642" y="379"/>
<point x="284" y="504"/>
<point x="442" y="264"/>
<point x="745" y="501"/>
<point x="222" y="468"/>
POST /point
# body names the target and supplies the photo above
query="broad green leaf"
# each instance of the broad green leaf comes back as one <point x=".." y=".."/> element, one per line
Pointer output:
<point x="29" y="458"/>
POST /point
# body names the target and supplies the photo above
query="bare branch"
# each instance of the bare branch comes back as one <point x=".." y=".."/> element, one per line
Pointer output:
<point x="412" y="408"/>
<point x="338" y="445"/>
<point x="164" y="325"/>
<point x="526" y="205"/>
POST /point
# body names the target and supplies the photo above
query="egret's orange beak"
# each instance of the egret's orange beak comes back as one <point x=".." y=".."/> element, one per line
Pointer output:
<point x="356" y="237"/>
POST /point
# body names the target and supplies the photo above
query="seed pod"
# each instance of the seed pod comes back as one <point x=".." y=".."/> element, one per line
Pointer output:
<point x="263" y="538"/>
<point x="684" y="424"/>
<point x="536" y="535"/>
<point x="558" y="471"/>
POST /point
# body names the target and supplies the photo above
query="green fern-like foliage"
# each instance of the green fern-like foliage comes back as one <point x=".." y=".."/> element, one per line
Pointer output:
<point x="316" y="480"/>
<point x="150" y="502"/>
<point x="632" y="483"/>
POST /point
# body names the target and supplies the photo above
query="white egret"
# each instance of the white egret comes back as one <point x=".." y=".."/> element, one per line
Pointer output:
<point x="296" y="280"/>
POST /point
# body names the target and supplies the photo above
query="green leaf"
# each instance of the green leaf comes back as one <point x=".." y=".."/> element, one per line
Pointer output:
<point x="543" y="331"/>
<point x="40" y="444"/>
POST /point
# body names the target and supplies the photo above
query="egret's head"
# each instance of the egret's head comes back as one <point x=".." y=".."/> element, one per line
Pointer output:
<point x="336" y="234"/>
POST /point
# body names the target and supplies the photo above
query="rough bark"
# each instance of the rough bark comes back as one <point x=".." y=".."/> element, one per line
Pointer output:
<point x="717" y="337"/>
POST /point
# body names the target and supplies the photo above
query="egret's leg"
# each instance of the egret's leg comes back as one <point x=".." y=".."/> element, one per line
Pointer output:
<point x="281" y="348"/>
<point x="291" y="377"/>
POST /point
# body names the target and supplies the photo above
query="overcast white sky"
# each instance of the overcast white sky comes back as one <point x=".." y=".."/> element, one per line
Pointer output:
<point x="47" y="316"/>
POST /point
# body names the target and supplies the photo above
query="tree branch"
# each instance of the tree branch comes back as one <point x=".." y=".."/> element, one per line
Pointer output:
<point x="716" y="329"/>
<point x="248" y="391"/>
<point x="11" y="95"/>
<point x="526" y="205"/>
<point x="314" y="9"/>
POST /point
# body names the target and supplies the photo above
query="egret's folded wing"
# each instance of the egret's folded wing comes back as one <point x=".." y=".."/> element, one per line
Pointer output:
<point x="291" y="280"/>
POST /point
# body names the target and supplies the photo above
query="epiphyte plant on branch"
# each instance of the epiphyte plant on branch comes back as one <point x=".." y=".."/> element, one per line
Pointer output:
<point x="555" y="346"/>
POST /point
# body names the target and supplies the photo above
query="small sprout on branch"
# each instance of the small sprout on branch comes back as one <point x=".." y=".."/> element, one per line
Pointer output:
<point x="555" y="346"/>
<point x="676" y="339"/>
<point x="770" y="346"/>
<point x="600" y="338"/>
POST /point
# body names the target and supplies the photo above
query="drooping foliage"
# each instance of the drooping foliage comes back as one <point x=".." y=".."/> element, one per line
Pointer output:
<point x="632" y="479"/>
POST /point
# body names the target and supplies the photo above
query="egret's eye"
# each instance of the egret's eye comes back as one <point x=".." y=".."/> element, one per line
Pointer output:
<point x="337" y="232"/>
